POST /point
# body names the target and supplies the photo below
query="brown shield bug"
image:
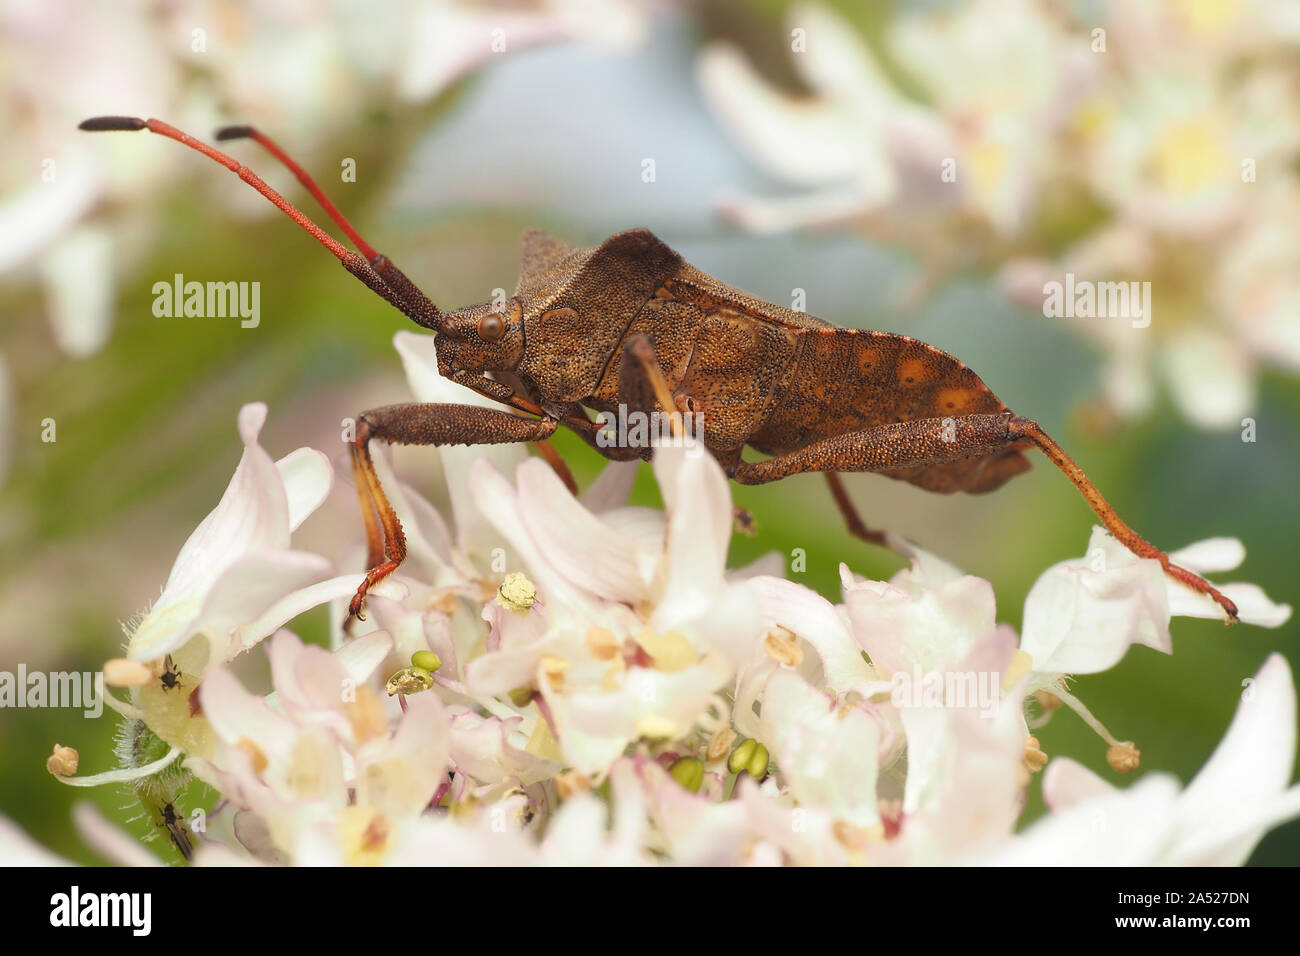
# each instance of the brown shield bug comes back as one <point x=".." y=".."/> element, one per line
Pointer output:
<point x="629" y="323"/>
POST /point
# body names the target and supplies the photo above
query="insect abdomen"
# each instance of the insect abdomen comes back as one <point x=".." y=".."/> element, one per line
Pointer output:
<point x="847" y="380"/>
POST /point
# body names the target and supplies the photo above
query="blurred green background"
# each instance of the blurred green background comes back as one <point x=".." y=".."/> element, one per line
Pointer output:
<point x="554" y="136"/>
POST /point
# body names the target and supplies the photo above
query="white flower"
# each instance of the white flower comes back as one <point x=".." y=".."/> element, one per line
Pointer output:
<point x="1216" y="820"/>
<point x="1082" y="615"/>
<point x="999" y="75"/>
<point x="237" y="565"/>
<point x="587" y="707"/>
<point x="642" y="625"/>
<point x="318" y="764"/>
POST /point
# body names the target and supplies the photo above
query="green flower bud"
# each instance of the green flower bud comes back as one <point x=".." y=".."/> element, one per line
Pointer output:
<point x="521" y="696"/>
<point x="757" y="765"/>
<point x="742" y="755"/>
<point x="689" y="773"/>
<point x="427" y="660"/>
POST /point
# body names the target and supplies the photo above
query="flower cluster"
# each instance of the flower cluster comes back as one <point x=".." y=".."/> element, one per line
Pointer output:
<point x="1136" y="146"/>
<point x="561" y="680"/>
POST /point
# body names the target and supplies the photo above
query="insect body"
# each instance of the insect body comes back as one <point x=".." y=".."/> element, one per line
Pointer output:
<point x="629" y="323"/>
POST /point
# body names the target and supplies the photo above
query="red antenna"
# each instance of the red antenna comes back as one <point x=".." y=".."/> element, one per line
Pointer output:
<point x="379" y="274"/>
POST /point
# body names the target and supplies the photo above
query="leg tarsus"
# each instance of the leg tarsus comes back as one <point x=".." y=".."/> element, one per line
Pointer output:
<point x="420" y="424"/>
<point x="1024" y="428"/>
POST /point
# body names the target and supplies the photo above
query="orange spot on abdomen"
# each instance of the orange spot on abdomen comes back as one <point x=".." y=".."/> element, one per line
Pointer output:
<point x="912" y="372"/>
<point x="954" y="401"/>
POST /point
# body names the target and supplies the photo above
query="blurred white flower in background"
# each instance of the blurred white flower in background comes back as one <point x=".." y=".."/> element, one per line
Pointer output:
<point x="1157" y="143"/>
<point x="599" y="688"/>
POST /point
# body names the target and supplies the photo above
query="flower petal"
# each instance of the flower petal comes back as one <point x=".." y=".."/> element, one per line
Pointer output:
<point x="307" y="478"/>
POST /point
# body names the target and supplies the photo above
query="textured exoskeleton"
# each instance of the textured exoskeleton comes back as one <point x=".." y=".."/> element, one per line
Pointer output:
<point x="628" y="325"/>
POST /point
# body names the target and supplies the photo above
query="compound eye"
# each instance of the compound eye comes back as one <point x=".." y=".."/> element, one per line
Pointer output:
<point x="491" y="326"/>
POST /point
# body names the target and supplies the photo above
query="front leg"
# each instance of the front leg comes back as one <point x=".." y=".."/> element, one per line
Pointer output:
<point x="419" y="424"/>
<point x="929" y="441"/>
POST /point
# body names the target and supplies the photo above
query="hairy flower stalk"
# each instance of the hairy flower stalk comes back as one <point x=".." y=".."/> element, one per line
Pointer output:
<point x="561" y="680"/>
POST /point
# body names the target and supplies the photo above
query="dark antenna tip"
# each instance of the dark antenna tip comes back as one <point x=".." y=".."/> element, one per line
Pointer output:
<point x="236" y="132"/>
<point x="99" y="124"/>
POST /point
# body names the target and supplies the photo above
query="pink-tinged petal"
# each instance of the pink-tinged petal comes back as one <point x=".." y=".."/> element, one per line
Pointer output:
<point x="236" y="715"/>
<point x="973" y="801"/>
<point x="298" y="602"/>
<point x="307" y="478"/>
<point x="789" y="702"/>
<point x="1210" y="555"/>
<point x="500" y="672"/>
<point x="1126" y="827"/>
<point x="248" y="589"/>
<point x="730" y="624"/>
<point x="575" y="542"/>
<point x="752" y="683"/>
<point x="1081" y="618"/>
<point x="438" y="638"/>
<point x="80" y="278"/>
<point x="19" y="849"/>
<point x="643" y="531"/>
<point x="361" y="655"/>
<point x="1246" y="774"/>
<point x="498" y="501"/>
<point x="802" y="141"/>
<point x="310" y="683"/>
<point x="401" y="779"/>
<point x="698" y="501"/>
<point x="925" y="571"/>
<point x="1068" y="784"/>
<point x="108" y="840"/>
<point x="611" y="488"/>
<point x="594" y="727"/>
<point x="576" y="834"/>
<point x="434" y="538"/>
<point x="805" y="834"/>
<point x="454" y="844"/>
<point x="630" y="805"/>
<point x="809" y="615"/>
<point x="699" y="530"/>
<point x="1253" y="605"/>
<point x="770" y="565"/>
<point x="950" y="747"/>
<point x="510" y="628"/>
<point x="826" y="757"/>
<point x="481" y="748"/>
<point x="899" y="630"/>
<point x="253" y="515"/>
<point x="698" y="831"/>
